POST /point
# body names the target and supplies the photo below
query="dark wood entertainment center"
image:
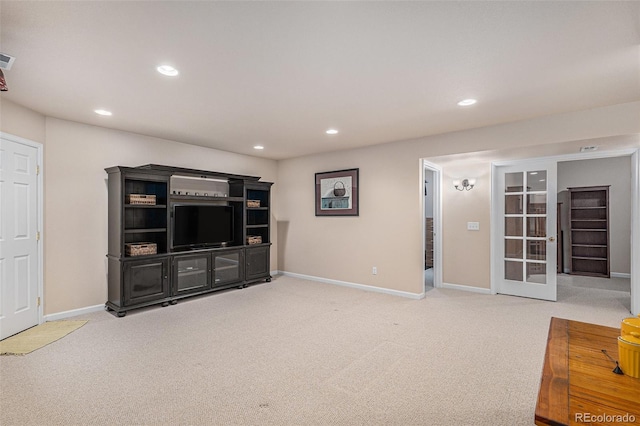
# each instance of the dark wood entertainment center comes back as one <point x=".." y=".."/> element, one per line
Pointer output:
<point x="169" y="274"/>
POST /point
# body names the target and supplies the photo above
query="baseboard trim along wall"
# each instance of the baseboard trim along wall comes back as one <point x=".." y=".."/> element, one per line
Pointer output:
<point x="620" y="275"/>
<point x="355" y="285"/>
<point x="467" y="288"/>
<point x="73" y="313"/>
<point x="613" y="274"/>
<point x="97" y="308"/>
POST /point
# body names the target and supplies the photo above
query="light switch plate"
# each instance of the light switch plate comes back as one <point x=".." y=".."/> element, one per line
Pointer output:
<point x="473" y="226"/>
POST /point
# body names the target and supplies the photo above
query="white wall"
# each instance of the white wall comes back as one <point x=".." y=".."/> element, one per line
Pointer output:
<point x="599" y="172"/>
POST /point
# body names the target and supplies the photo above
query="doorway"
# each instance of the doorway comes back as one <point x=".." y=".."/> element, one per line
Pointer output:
<point x="20" y="243"/>
<point x="594" y="226"/>
<point x="633" y="218"/>
<point x="431" y="225"/>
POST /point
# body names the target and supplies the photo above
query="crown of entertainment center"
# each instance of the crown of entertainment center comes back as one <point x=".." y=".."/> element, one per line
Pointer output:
<point x="145" y="267"/>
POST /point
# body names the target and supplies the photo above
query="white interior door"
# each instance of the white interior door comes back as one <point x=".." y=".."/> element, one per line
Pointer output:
<point x="525" y="203"/>
<point x="19" y="258"/>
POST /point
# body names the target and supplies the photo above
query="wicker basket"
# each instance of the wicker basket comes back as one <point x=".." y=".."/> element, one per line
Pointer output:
<point x="254" y="239"/>
<point x="140" y="249"/>
<point x="144" y="199"/>
<point x="253" y="203"/>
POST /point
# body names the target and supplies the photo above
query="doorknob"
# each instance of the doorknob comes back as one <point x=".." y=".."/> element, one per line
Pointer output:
<point x="552" y="239"/>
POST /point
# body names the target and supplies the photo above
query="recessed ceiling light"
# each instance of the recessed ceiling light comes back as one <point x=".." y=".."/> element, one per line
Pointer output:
<point x="259" y="147"/>
<point x="103" y="112"/>
<point x="332" y="132"/>
<point x="467" y="102"/>
<point x="167" y="70"/>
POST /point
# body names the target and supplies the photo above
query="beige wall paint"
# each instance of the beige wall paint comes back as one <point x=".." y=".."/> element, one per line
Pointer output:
<point x="388" y="232"/>
<point x="347" y="248"/>
<point x="460" y="265"/>
<point x="76" y="200"/>
<point x="20" y="121"/>
<point x="605" y="171"/>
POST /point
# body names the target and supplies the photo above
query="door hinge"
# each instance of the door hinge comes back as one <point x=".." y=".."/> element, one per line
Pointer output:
<point x="38" y="236"/>
<point x="37" y="169"/>
<point x="38" y="300"/>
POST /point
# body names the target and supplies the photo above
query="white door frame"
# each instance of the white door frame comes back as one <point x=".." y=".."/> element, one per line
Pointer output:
<point x="635" y="232"/>
<point x="40" y="197"/>
<point x="634" y="155"/>
<point x="437" y="221"/>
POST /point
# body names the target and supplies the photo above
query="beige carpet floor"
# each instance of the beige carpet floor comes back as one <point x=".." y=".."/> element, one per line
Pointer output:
<point x="295" y="352"/>
<point x="38" y="337"/>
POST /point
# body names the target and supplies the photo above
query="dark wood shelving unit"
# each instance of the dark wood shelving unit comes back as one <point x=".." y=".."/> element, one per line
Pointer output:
<point x="170" y="274"/>
<point x="589" y="234"/>
<point x="200" y="198"/>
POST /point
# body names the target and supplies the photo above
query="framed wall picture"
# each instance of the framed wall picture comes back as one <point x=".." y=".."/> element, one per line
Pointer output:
<point x="337" y="193"/>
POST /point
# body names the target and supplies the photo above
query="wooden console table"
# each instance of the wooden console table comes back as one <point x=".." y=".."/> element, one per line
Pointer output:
<point x="578" y="385"/>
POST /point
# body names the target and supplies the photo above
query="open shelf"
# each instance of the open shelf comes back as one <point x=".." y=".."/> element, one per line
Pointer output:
<point x="589" y="236"/>
<point x="201" y="198"/>
<point x="144" y="230"/>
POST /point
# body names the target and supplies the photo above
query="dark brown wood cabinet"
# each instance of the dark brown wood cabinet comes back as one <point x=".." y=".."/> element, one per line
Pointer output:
<point x="228" y="267"/>
<point x="191" y="273"/>
<point x="145" y="281"/>
<point x="589" y="231"/>
<point x="142" y="201"/>
<point x="257" y="262"/>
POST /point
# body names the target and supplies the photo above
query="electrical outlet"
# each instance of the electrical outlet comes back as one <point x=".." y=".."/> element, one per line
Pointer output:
<point x="374" y="271"/>
<point x="473" y="226"/>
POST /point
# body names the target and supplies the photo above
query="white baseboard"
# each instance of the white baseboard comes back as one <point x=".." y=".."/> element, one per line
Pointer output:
<point x="355" y="285"/>
<point x="73" y="313"/>
<point x="613" y="274"/>
<point x="467" y="288"/>
<point x="620" y="275"/>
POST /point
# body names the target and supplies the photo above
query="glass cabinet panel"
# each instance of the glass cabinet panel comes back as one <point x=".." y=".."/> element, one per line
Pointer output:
<point x="227" y="267"/>
<point x="191" y="273"/>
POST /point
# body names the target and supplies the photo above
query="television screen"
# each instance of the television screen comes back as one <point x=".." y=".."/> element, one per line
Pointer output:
<point x="202" y="225"/>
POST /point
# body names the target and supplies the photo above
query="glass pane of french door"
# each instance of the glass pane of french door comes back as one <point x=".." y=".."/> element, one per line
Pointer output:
<point x="525" y="226"/>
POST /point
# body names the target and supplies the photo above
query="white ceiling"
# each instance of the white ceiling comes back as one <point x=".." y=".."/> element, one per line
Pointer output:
<point x="280" y="73"/>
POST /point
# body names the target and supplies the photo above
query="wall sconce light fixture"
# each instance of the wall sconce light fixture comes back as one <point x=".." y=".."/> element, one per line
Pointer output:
<point x="465" y="185"/>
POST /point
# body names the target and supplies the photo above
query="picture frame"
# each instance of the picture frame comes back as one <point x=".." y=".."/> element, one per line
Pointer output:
<point x="337" y="193"/>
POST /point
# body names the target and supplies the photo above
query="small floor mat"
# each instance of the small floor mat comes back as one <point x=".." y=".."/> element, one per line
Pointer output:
<point x="38" y="337"/>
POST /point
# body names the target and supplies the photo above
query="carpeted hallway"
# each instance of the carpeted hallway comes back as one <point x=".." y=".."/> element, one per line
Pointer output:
<point x="295" y="352"/>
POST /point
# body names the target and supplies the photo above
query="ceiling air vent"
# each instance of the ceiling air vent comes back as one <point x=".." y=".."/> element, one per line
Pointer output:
<point x="588" y="148"/>
<point x="6" y="61"/>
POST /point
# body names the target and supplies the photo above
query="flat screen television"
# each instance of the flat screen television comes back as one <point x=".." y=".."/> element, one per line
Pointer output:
<point x="201" y="225"/>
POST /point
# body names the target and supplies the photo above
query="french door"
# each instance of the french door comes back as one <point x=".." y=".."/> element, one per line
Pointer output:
<point x="525" y="207"/>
